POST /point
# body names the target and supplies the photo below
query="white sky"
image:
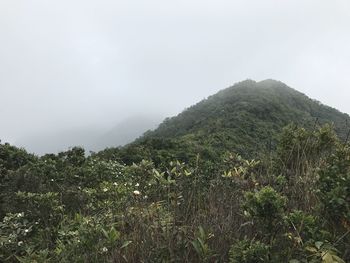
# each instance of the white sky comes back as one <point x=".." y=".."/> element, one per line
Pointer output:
<point x="72" y="63"/>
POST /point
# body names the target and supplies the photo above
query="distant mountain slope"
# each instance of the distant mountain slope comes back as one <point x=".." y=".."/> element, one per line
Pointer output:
<point x="244" y="118"/>
<point x="91" y="138"/>
<point x="126" y="131"/>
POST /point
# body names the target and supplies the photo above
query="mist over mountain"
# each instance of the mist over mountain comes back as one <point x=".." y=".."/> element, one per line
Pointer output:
<point x="244" y="118"/>
<point x="126" y="131"/>
<point x="91" y="138"/>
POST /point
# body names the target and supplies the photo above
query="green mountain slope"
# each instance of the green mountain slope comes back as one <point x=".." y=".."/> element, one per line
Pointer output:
<point x="244" y="118"/>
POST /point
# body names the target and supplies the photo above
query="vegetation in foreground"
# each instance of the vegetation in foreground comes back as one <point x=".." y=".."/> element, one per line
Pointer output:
<point x="293" y="206"/>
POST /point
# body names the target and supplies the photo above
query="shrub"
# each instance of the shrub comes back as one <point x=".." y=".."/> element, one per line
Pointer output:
<point x="247" y="251"/>
<point x="334" y="185"/>
<point x="266" y="207"/>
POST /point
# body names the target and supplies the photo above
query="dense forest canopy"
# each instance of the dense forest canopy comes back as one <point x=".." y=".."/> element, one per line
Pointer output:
<point x="255" y="173"/>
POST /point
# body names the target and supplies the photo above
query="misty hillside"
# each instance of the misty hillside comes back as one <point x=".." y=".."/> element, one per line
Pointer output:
<point x="254" y="107"/>
<point x="92" y="138"/>
<point x="244" y="118"/>
<point x="126" y="131"/>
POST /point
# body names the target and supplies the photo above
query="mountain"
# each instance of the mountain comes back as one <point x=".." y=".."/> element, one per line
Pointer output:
<point x="244" y="118"/>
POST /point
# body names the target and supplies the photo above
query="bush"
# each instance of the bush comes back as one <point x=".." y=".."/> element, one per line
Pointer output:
<point x="334" y="185"/>
<point x="266" y="207"/>
<point x="247" y="251"/>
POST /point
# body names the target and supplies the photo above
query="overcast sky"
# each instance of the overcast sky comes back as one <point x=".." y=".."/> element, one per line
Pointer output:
<point x="72" y="63"/>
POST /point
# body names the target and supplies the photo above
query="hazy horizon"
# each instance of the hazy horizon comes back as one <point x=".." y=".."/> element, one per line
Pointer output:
<point x="72" y="64"/>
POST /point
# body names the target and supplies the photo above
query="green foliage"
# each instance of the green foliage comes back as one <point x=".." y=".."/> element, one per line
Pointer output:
<point x="334" y="185"/>
<point x="266" y="206"/>
<point x="303" y="227"/>
<point x="239" y="167"/>
<point x="87" y="237"/>
<point x="247" y="251"/>
<point x="324" y="253"/>
<point x="201" y="246"/>
<point x="288" y="206"/>
<point x="12" y="158"/>
<point x="15" y="234"/>
<point x="299" y="148"/>
<point x="45" y="207"/>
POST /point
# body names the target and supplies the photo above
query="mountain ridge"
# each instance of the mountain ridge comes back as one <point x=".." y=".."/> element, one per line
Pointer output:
<point x="249" y="89"/>
<point x="245" y="118"/>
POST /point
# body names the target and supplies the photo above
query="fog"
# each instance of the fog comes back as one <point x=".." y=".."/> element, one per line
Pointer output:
<point x="67" y="65"/>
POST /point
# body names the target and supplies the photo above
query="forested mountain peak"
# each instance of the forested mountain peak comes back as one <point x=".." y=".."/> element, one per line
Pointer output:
<point x="246" y="118"/>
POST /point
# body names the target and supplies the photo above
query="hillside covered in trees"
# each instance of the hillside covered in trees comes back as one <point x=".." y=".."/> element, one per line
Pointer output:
<point x="245" y="118"/>
<point x="255" y="173"/>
